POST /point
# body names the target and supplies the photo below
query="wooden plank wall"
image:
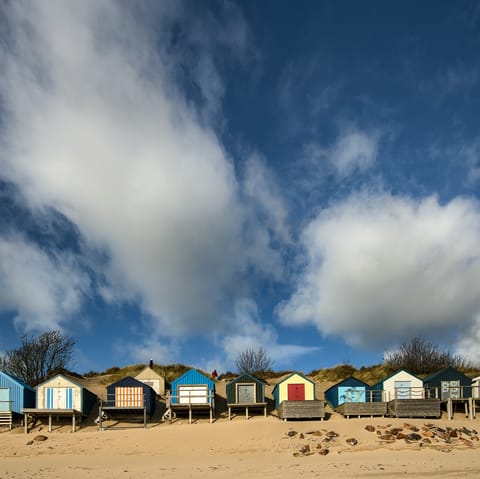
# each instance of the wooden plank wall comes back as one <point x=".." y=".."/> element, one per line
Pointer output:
<point x="363" y="409"/>
<point x="415" y="408"/>
<point x="301" y="409"/>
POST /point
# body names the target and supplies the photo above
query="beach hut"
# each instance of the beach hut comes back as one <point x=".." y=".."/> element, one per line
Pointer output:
<point x="60" y="396"/>
<point x="246" y="392"/>
<point x="399" y="385"/>
<point x="449" y="383"/>
<point x="405" y="396"/>
<point x="295" y="398"/>
<point x="129" y="394"/>
<point x="352" y="397"/>
<point x="193" y="391"/>
<point x="151" y="378"/>
<point x="14" y="396"/>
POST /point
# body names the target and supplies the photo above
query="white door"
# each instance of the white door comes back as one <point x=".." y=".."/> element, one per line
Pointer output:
<point x="193" y="394"/>
<point x="59" y="398"/>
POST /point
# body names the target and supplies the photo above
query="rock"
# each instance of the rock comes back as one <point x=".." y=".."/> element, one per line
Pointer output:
<point x="401" y="435"/>
<point x="29" y="443"/>
<point x="370" y="428"/>
<point x="314" y="433"/>
<point x="387" y="437"/>
<point x="323" y="452"/>
<point x="427" y="433"/>
<point x="453" y="433"/>
<point x="301" y="436"/>
<point x="332" y="434"/>
<point x="414" y="437"/>
<point x="352" y="441"/>
<point x="466" y="442"/>
<point x="466" y="431"/>
<point x="394" y="431"/>
<point x="426" y="440"/>
<point x="305" y="449"/>
<point x="291" y="433"/>
<point x="40" y="437"/>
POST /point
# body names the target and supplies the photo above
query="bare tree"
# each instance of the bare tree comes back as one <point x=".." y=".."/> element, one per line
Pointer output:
<point x="38" y="357"/>
<point x="421" y="356"/>
<point x="253" y="361"/>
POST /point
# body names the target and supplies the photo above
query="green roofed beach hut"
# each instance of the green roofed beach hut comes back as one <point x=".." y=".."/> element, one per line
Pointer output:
<point x="246" y="392"/>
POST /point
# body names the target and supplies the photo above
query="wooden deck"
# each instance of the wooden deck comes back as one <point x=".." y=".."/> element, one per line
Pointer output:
<point x="415" y="408"/>
<point x="247" y="408"/>
<point x="36" y="413"/>
<point x="312" y="409"/>
<point x="358" y="409"/>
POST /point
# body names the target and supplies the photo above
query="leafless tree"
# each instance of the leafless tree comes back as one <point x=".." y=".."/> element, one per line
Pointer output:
<point x="38" y="357"/>
<point x="421" y="356"/>
<point x="253" y="361"/>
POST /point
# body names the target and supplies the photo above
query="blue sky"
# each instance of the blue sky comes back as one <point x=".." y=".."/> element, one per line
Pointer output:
<point x="182" y="180"/>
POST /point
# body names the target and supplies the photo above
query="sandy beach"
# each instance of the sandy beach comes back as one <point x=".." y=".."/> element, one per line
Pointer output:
<point x="259" y="447"/>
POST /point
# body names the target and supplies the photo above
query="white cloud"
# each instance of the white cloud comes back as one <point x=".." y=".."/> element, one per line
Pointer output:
<point x="43" y="291"/>
<point x="379" y="268"/>
<point x="353" y="151"/>
<point x="98" y="129"/>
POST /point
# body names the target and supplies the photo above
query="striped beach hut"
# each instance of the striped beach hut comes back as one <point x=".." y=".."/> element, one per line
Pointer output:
<point x="295" y="398"/>
<point x="246" y="392"/>
<point x="129" y="393"/>
<point x="14" y="396"/>
<point x="59" y="396"/>
<point x="476" y="387"/>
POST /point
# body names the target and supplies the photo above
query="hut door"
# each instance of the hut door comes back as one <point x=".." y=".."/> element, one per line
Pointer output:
<point x="246" y="393"/>
<point x="129" y="396"/>
<point x="5" y="399"/>
<point x="296" y="392"/>
<point x="59" y="398"/>
<point x="451" y="389"/>
<point x="402" y="389"/>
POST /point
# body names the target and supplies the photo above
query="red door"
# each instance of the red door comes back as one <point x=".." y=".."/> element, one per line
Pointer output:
<point x="296" y="392"/>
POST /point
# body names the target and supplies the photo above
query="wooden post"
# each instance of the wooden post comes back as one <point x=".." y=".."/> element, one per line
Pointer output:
<point x="265" y="411"/>
<point x="100" y="413"/>
<point x="26" y="423"/>
<point x="246" y="413"/>
<point x="189" y="413"/>
<point x="229" y="413"/>
<point x="145" y="417"/>
<point x="449" y="408"/>
<point x="73" y="421"/>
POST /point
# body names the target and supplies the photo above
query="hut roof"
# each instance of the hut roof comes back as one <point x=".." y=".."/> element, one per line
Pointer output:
<point x="65" y="376"/>
<point x="442" y="372"/>
<point x="394" y="374"/>
<point x="289" y="376"/>
<point x="17" y="380"/>
<point x="349" y="379"/>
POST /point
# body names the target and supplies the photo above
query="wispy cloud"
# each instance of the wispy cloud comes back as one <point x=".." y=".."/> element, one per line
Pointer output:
<point x="43" y="290"/>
